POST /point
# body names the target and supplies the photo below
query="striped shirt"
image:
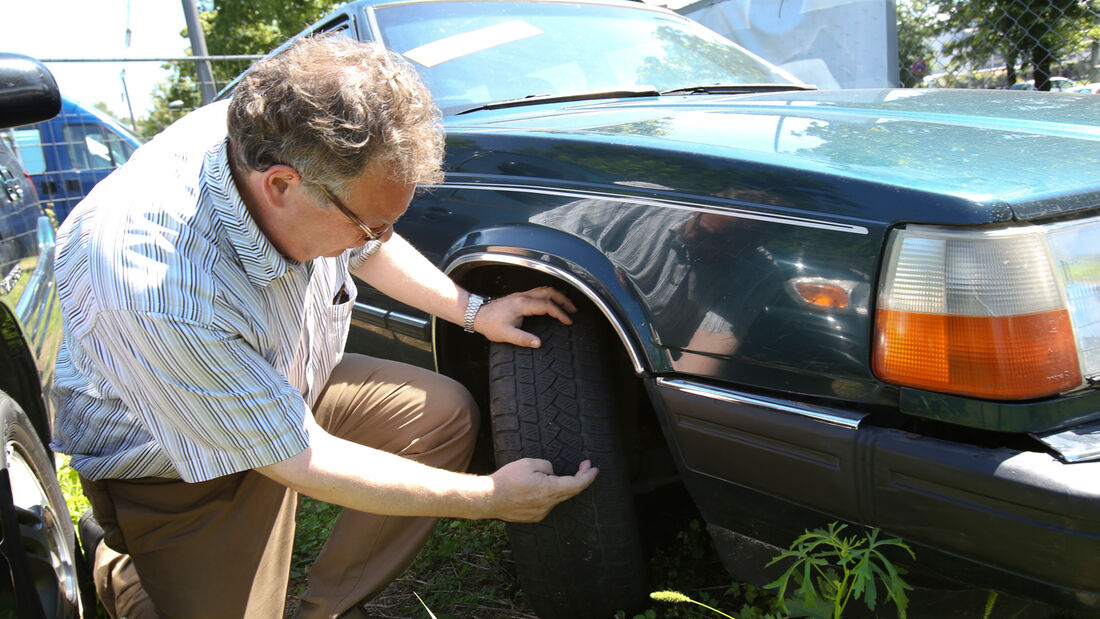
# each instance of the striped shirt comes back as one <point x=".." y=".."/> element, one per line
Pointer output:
<point x="193" y="349"/>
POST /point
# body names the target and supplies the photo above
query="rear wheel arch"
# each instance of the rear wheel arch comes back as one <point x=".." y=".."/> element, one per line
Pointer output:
<point x="497" y="273"/>
<point x="19" y="378"/>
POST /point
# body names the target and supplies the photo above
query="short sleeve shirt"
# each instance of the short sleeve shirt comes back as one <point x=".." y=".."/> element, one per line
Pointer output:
<point x="192" y="348"/>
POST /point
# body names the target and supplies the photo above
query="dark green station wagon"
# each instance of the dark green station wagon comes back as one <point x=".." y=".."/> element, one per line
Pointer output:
<point x="880" y="307"/>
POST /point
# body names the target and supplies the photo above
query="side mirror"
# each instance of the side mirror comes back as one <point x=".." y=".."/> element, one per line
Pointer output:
<point x="28" y="91"/>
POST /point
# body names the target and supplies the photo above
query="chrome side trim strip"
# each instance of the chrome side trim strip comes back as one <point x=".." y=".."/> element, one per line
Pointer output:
<point x="817" y="413"/>
<point x="395" y="321"/>
<point x="368" y="313"/>
<point x="411" y="325"/>
<point x="636" y="359"/>
<point x="673" y="204"/>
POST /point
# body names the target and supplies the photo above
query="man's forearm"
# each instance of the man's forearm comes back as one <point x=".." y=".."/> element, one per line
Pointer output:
<point x="399" y="271"/>
<point x="365" y="479"/>
<point x="402" y="273"/>
<point x="337" y="471"/>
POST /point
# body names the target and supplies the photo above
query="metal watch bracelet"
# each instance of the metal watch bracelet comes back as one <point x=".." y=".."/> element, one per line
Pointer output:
<point x="472" y="307"/>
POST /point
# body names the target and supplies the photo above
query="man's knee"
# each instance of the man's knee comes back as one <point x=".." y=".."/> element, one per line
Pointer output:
<point x="457" y="419"/>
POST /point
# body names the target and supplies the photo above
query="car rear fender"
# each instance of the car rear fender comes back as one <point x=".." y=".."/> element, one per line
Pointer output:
<point x="19" y="374"/>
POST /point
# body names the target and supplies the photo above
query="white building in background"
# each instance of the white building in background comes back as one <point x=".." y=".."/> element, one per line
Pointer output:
<point x="828" y="43"/>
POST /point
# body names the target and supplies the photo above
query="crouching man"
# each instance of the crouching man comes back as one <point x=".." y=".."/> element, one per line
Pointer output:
<point x="206" y="292"/>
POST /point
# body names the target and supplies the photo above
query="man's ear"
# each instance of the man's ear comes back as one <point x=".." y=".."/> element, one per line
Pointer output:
<point x="278" y="182"/>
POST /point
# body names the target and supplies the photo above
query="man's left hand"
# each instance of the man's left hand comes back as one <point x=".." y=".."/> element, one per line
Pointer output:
<point x="499" y="321"/>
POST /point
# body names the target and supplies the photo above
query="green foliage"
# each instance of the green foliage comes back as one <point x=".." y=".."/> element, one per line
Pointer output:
<point x="314" y="523"/>
<point x="171" y="100"/>
<point x="258" y="26"/>
<point x="231" y="27"/>
<point x="464" y="570"/>
<point x="680" y="598"/>
<point x="830" y="570"/>
<point x="71" y="489"/>
<point x="1021" y="32"/>
<point x="684" y="558"/>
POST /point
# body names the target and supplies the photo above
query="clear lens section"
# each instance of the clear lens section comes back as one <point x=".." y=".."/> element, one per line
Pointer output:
<point x="982" y="312"/>
<point x="969" y="273"/>
<point x="1076" y="249"/>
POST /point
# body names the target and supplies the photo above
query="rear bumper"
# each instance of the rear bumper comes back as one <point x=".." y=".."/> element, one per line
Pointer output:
<point x="994" y="518"/>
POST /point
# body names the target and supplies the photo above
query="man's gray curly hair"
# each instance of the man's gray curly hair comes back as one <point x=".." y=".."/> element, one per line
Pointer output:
<point x="329" y="107"/>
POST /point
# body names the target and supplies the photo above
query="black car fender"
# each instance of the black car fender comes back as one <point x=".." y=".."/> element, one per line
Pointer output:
<point x="558" y="257"/>
<point x="19" y="377"/>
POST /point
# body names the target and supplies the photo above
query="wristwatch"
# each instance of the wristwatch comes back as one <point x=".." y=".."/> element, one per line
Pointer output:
<point x="472" y="307"/>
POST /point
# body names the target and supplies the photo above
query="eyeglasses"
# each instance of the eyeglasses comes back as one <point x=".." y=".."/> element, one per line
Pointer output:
<point x="373" y="234"/>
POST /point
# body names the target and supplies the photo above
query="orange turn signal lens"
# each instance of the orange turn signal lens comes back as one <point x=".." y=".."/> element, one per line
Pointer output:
<point x="999" y="357"/>
<point x="823" y="295"/>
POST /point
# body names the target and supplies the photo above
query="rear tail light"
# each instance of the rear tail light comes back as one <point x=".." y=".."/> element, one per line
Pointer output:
<point x="1007" y="314"/>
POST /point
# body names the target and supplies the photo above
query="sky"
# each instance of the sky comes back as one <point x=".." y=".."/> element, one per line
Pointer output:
<point x="56" y="29"/>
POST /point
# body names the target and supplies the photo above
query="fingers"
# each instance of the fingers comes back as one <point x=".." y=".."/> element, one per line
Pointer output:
<point x="529" y="489"/>
<point x="500" y="320"/>
<point x="518" y="337"/>
<point x="553" y="294"/>
<point x="545" y="300"/>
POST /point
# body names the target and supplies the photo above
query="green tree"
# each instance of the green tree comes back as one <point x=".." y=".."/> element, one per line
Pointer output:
<point x="1037" y="33"/>
<point x="231" y="27"/>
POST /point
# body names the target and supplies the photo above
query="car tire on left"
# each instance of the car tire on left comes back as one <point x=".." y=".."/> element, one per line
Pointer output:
<point x="39" y="542"/>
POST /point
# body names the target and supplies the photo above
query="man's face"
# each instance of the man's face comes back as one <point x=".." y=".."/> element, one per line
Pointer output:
<point x="375" y="201"/>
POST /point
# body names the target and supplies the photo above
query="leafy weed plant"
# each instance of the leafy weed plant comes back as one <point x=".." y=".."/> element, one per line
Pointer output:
<point x="829" y="570"/>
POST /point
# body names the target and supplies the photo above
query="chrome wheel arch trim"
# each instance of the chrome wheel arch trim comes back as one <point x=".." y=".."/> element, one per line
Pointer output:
<point x="637" y="361"/>
<point x="840" y="418"/>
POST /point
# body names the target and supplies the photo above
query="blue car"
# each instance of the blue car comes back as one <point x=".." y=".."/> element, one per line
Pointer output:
<point x="68" y="154"/>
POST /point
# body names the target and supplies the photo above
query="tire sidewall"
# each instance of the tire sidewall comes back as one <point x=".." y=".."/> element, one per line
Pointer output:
<point x="18" y="434"/>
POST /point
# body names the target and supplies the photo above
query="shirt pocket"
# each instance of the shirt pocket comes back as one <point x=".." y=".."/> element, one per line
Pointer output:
<point x="339" y="310"/>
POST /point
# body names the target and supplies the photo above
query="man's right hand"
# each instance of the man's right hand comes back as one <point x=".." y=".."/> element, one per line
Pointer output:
<point x="337" y="471"/>
<point x="526" y="490"/>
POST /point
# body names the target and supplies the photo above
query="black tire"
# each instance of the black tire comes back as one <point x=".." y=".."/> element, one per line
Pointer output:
<point x="39" y="544"/>
<point x="558" y="403"/>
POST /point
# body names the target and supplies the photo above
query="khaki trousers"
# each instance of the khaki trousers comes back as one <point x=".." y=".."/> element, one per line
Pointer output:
<point x="222" y="548"/>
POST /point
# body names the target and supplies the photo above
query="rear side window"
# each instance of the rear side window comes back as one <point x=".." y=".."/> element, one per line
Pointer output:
<point x="95" y="147"/>
<point x="28" y="146"/>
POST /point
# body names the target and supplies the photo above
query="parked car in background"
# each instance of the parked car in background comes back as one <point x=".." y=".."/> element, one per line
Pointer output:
<point x="1091" y="88"/>
<point x="880" y="307"/>
<point x="41" y="572"/>
<point x="1057" y="84"/>
<point x="71" y="152"/>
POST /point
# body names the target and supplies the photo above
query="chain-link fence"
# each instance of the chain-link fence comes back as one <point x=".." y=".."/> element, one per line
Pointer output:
<point x="68" y="154"/>
<point x="145" y="107"/>
<point x="1019" y="44"/>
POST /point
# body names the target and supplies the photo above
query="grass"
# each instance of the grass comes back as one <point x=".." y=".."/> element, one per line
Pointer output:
<point x="466" y="569"/>
<point x="70" y="487"/>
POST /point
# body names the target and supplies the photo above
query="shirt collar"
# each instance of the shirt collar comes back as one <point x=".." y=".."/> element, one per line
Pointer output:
<point x="262" y="263"/>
